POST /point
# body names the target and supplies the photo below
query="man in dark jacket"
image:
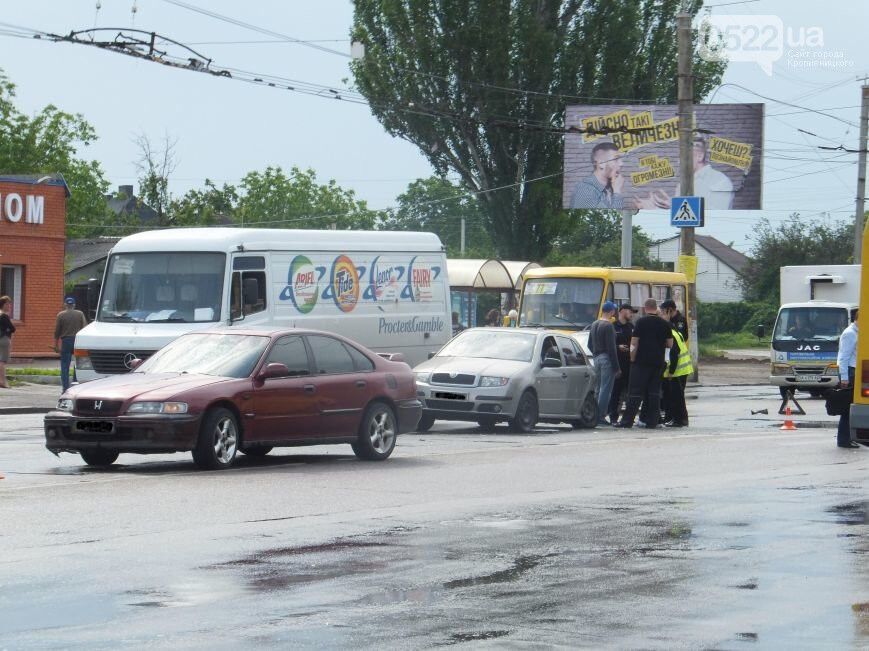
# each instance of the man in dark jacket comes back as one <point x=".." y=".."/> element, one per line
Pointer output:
<point x="602" y="342"/>
<point x="650" y="342"/>
<point x="624" y="328"/>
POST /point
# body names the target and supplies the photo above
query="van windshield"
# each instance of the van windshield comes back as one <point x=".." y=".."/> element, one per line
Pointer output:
<point x="810" y="323"/>
<point x="163" y="287"/>
<point x="566" y="303"/>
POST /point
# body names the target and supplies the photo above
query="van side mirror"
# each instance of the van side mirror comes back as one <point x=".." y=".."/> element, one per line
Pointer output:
<point x="760" y="331"/>
<point x="274" y="369"/>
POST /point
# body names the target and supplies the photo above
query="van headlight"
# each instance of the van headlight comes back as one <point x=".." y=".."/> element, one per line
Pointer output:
<point x="157" y="408"/>
<point x="83" y="360"/>
<point x="64" y="404"/>
<point x="492" y="381"/>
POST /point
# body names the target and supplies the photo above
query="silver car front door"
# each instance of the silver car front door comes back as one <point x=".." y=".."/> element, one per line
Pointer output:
<point x="551" y="382"/>
<point x="579" y="374"/>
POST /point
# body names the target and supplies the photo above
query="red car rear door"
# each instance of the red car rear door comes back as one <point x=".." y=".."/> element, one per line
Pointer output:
<point x="343" y="378"/>
<point x="286" y="408"/>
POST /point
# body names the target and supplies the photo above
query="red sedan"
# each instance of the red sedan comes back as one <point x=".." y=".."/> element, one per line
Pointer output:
<point x="217" y="392"/>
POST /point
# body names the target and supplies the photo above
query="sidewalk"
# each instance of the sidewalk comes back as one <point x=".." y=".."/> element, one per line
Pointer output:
<point x="29" y="398"/>
<point x="758" y="354"/>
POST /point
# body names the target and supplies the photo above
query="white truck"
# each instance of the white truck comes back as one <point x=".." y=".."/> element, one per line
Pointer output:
<point x="816" y="306"/>
<point x="387" y="290"/>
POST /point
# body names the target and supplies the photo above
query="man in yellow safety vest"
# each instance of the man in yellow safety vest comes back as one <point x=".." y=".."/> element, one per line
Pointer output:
<point x="676" y="374"/>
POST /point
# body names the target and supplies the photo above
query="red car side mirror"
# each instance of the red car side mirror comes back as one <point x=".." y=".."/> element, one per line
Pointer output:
<point x="274" y="369"/>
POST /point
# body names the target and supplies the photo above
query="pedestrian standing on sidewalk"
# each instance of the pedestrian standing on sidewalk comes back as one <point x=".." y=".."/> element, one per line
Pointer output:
<point x="602" y="343"/>
<point x="6" y="330"/>
<point x="649" y="343"/>
<point x="847" y="361"/>
<point x="624" y="328"/>
<point x="69" y="321"/>
<point x="676" y="373"/>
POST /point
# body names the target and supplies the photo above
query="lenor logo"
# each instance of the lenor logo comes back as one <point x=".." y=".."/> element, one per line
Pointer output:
<point x="345" y="283"/>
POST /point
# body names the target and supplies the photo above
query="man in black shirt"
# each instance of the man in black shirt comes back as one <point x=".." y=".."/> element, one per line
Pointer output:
<point x="649" y="343"/>
<point x="624" y="328"/>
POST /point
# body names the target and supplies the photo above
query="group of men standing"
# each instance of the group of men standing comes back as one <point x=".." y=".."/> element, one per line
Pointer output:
<point x="648" y="360"/>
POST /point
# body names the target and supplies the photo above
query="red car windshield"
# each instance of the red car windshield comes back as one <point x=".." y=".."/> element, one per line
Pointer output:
<point x="226" y="355"/>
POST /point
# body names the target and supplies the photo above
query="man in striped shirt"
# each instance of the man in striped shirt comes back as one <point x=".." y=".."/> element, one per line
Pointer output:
<point x="603" y="188"/>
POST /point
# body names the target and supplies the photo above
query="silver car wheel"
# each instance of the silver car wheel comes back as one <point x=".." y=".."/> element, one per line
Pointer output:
<point x="381" y="430"/>
<point x="225" y="440"/>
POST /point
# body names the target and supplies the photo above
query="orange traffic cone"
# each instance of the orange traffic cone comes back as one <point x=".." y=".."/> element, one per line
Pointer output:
<point x="788" y="424"/>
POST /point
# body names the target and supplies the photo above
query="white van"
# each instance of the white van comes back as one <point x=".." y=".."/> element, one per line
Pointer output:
<point x="387" y="290"/>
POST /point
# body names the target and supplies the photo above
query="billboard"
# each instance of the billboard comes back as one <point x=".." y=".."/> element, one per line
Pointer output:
<point x="626" y="157"/>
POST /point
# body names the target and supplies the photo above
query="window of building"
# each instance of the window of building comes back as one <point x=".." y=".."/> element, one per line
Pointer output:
<point x="11" y="281"/>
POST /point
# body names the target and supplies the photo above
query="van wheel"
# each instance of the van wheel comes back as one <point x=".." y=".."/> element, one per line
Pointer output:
<point x="376" y="438"/>
<point x="99" y="457"/>
<point x="588" y="415"/>
<point x="218" y="440"/>
<point x="425" y="423"/>
<point x="526" y="414"/>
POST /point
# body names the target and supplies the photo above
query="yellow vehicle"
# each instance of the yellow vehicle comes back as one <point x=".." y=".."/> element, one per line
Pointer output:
<point x="570" y="298"/>
<point x="860" y="408"/>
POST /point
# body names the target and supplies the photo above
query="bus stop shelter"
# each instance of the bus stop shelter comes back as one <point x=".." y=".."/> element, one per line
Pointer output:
<point x="476" y="286"/>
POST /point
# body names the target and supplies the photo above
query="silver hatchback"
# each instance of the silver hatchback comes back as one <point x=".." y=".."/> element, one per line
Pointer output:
<point x="522" y="376"/>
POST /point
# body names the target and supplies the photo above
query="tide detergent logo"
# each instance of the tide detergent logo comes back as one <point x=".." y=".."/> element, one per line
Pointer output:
<point x="345" y="283"/>
<point x="303" y="284"/>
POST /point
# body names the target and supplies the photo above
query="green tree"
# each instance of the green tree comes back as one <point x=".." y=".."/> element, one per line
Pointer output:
<point x="209" y="206"/>
<point x="594" y="239"/>
<point x="793" y="242"/>
<point x="437" y="205"/>
<point x="49" y="143"/>
<point x="480" y="87"/>
<point x="274" y="199"/>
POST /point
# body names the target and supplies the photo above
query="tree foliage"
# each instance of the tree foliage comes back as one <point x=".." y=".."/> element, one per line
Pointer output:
<point x="594" y="239"/>
<point x="480" y="88"/>
<point x="49" y="143"/>
<point x="437" y="205"/>
<point x="273" y="198"/>
<point x="793" y="242"/>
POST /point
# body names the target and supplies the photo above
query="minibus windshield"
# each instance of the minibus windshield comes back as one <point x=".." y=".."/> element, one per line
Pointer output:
<point x="163" y="287"/>
<point x="561" y="302"/>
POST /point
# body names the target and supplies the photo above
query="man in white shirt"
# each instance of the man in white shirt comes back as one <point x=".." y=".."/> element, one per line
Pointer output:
<point x="847" y="362"/>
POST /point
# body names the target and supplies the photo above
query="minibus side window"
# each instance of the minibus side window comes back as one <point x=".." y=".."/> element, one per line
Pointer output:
<point x="639" y="293"/>
<point x="248" y="293"/>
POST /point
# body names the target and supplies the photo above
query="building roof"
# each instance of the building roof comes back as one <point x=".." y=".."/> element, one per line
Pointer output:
<point x="81" y="253"/>
<point x="37" y="179"/>
<point x="726" y="254"/>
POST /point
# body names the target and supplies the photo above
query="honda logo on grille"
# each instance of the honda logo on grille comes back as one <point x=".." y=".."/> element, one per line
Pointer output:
<point x="98" y="404"/>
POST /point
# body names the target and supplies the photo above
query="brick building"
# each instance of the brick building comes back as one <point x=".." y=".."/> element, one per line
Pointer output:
<point x="32" y="237"/>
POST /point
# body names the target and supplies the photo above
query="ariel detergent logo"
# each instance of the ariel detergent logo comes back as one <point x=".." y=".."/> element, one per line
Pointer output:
<point x="345" y="283"/>
<point x="302" y="284"/>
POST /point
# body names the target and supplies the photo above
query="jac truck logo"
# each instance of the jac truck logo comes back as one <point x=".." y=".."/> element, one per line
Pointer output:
<point x="808" y="347"/>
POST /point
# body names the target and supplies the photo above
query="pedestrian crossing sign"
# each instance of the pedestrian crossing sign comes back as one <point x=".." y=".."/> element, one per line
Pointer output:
<point x="686" y="211"/>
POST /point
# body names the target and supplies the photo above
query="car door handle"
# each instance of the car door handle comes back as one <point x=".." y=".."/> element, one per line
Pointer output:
<point x="360" y="383"/>
<point x="309" y="388"/>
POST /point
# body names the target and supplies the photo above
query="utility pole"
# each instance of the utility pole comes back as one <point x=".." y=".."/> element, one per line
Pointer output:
<point x="861" y="174"/>
<point x="627" y="238"/>
<point x="686" y="154"/>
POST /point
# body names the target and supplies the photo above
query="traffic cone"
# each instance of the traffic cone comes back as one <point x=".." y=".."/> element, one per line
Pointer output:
<point x="788" y="424"/>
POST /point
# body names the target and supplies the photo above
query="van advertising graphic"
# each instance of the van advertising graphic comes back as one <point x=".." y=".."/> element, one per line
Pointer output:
<point x="373" y="283"/>
<point x="383" y="281"/>
<point x="345" y="283"/>
<point x="303" y="284"/>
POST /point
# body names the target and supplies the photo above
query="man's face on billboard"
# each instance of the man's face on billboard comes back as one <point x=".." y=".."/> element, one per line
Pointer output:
<point x="608" y="162"/>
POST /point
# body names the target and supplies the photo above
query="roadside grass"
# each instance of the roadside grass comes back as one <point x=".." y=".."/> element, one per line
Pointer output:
<point x="711" y="346"/>
<point x="33" y="371"/>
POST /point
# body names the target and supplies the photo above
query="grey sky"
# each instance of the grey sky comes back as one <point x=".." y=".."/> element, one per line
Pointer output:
<point x="226" y="128"/>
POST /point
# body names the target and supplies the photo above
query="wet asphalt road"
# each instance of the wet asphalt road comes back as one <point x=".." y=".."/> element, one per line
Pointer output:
<point x="728" y="535"/>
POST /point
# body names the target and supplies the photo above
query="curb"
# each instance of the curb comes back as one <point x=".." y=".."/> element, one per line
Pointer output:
<point x="25" y="410"/>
